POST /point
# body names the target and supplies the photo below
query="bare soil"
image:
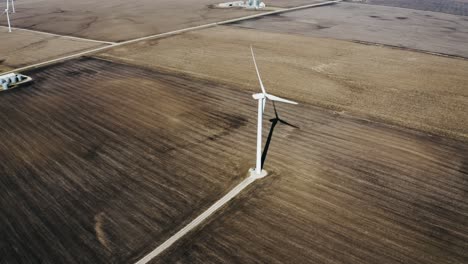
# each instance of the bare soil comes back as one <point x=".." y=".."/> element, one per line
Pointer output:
<point x="406" y="88"/>
<point x="118" y="20"/>
<point x="21" y="48"/>
<point x="456" y="7"/>
<point x="343" y="190"/>
<point x="405" y="28"/>
<point x="101" y="162"/>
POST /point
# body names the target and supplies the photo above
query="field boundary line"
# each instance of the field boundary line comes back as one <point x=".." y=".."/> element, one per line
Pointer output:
<point x="62" y="36"/>
<point x="161" y="35"/>
<point x="198" y="220"/>
<point x="390" y="46"/>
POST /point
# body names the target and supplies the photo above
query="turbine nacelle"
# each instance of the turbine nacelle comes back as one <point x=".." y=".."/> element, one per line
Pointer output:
<point x="259" y="96"/>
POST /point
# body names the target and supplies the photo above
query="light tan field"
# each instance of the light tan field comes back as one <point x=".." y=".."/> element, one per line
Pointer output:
<point x="21" y="48"/>
<point x="412" y="89"/>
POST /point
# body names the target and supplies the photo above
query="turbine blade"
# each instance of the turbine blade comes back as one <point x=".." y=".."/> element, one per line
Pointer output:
<point x="279" y="99"/>
<point x="258" y="72"/>
<point x="264" y="102"/>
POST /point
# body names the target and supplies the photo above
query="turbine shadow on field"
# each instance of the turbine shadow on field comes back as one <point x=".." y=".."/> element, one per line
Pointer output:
<point x="274" y="122"/>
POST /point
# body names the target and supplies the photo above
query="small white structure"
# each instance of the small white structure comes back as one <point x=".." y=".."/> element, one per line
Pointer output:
<point x="256" y="4"/>
<point x="262" y="97"/>
<point x="12" y="80"/>
<point x="250" y="4"/>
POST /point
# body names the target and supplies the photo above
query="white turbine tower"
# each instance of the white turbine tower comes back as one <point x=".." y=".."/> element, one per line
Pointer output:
<point x="262" y="97"/>
<point x="7" y="12"/>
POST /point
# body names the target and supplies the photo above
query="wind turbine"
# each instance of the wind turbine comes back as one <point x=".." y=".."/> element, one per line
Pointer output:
<point x="262" y="98"/>
<point x="7" y="12"/>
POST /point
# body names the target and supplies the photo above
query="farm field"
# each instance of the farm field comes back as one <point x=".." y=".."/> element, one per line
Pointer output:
<point x="23" y="48"/>
<point x="103" y="161"/>
<point x="399" y="27"/>
<point x="456" y="7"/>
<point x="112" y="159"/>
<point x="119" y="20"/>
<point x="396" y="86"/>
<point x="343" y="191"/>
<point x="108" y="156"/>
